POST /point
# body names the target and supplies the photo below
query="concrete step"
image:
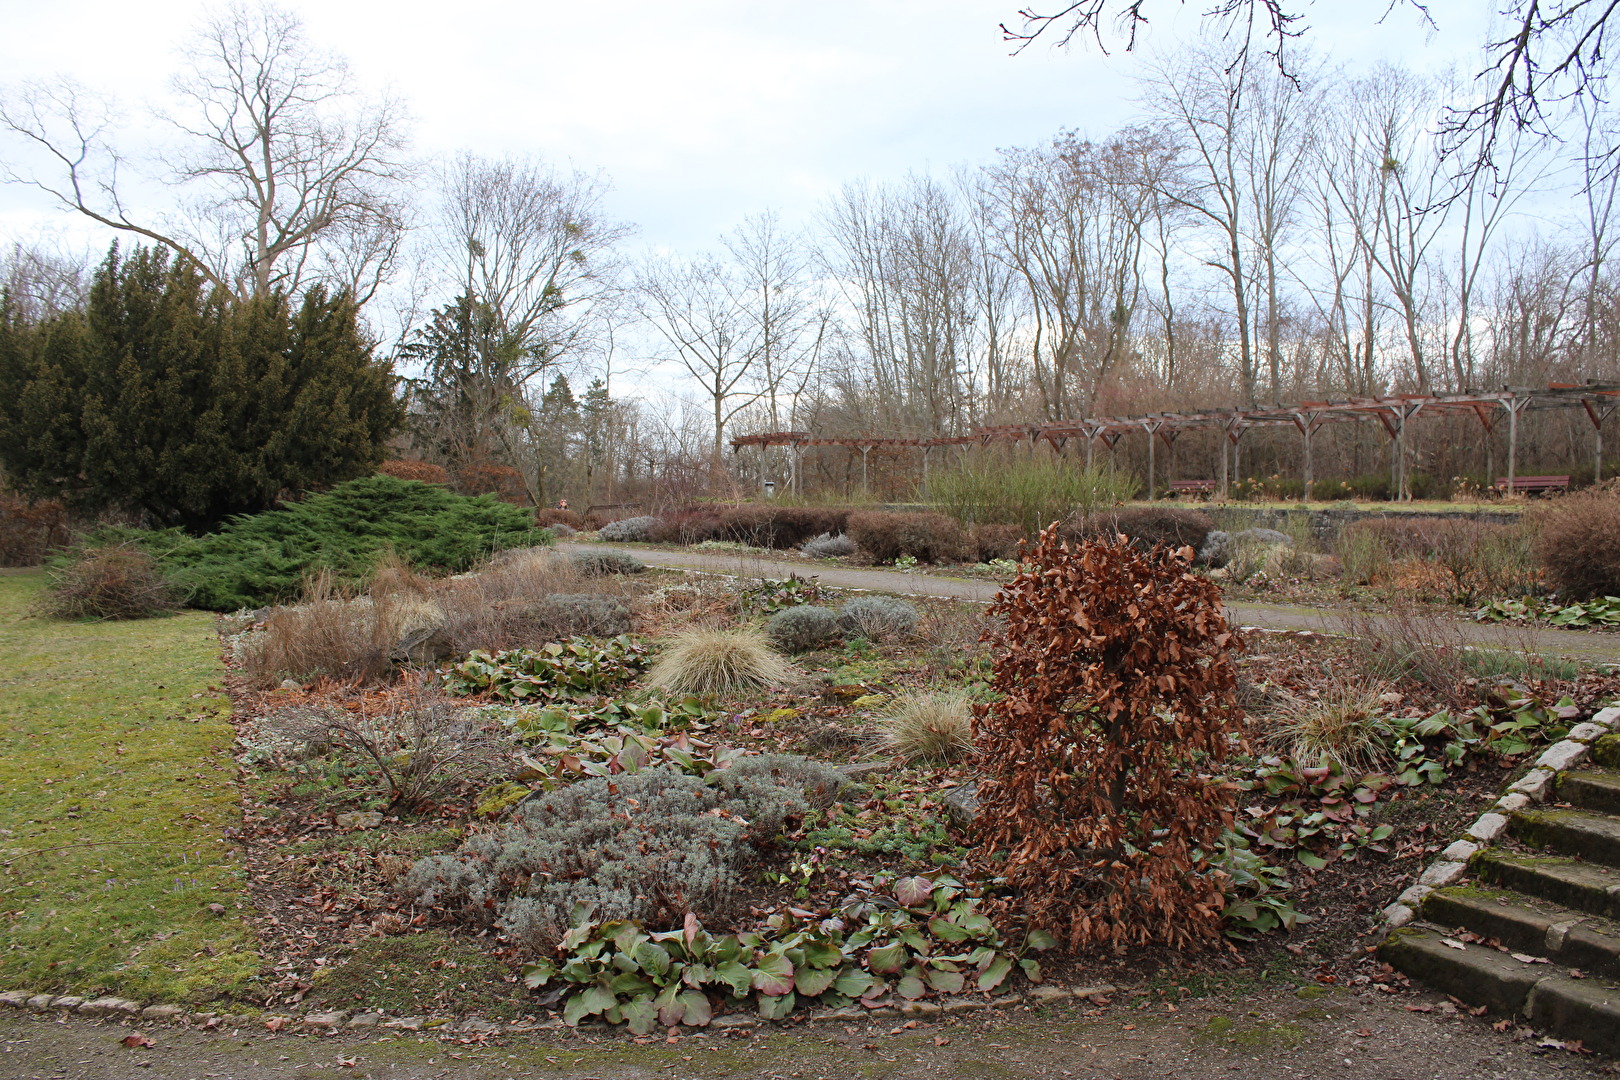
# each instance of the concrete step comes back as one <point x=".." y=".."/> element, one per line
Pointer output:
<point x="1593" y="837"/>
<point x="1473" y="973"/>
<point x="1567" y="882"/>
<point x="1586" y="1008"/>
<point x="1588" y="943"/>
<point x="1591" y="789"/>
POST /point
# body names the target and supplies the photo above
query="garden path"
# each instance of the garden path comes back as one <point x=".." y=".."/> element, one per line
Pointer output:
<point x="1590" y="646"/>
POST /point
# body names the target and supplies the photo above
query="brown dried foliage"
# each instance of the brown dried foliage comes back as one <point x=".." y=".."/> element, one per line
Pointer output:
<point x="422" y="471"/>
<point x="1579" y="542"/>
<point x="30" y="529"/>
<point x="1118" y="695"/>
<point x="929" y="538"/>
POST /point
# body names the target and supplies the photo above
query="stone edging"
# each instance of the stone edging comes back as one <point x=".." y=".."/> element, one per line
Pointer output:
<point x="115" y="1008"/>
<point x="1534" y="786"/>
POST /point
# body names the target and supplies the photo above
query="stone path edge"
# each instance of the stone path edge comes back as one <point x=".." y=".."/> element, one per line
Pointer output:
<point x="125" y="1010"/>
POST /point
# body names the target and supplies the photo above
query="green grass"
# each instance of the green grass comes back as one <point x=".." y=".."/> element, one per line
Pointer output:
<point x="116" y="785"/>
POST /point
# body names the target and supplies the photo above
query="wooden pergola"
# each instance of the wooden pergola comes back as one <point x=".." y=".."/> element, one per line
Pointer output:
<point x="1393" y="412"/>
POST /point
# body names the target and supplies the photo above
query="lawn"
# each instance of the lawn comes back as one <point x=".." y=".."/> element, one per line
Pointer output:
<point x="116" y="788"/>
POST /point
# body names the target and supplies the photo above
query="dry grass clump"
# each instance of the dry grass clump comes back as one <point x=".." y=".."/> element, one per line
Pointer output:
<point x="117" y="581"/>
<point x="354" y="638"/>
<point x="704" y="661"/>
<point x="934" y="726"/>
<point x="1344" y="724"/>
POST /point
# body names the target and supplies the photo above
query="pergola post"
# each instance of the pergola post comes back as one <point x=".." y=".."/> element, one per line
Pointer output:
<point x="1152" y="428"/>
<point x="1307" y="422"/>
<point x="1597" y="414"/>
<point x="864" y="448"/>
<point x="1513" y="442"/>
<point x="798" y="463"/>
<point x="926" y="448"/>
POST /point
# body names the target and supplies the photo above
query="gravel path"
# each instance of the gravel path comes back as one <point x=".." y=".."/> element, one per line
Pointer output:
<point x="1579" y="645"/>
<point x="1258" y="1032"/>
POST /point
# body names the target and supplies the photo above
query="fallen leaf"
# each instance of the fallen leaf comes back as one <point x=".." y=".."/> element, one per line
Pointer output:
<point x="1501" y="1025"/>
<point x="345" y="1063"/>
<point x="1453" y="944"/>
<point x="1363" y="1033"/>
<point x="1526" y="958"/>
<point x="1424" y="1007"/>
<point x="940" y="1040"/>
<point x="137" y="1041"/>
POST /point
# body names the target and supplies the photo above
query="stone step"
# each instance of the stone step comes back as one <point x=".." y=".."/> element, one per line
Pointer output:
<point x="1587" y="1009"/>
<point x="1606" y="752"/>
<point x="1588" y="943"/>
<point x="1476" y="974"/>
<point x="1591" y="789"/>
<point x="1593" y="837"/>
<point x="1567" y="882"/>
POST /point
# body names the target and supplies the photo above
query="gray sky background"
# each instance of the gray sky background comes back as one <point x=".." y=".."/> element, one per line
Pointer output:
<point x="701" y="111"/>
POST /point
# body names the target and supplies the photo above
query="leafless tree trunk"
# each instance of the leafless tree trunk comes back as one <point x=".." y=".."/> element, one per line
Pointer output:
<point x="292" y="178"/>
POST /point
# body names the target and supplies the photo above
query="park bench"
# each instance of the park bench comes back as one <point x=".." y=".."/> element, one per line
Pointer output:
<point x="1533" y="483"/>
<point x="1192" y="487"/>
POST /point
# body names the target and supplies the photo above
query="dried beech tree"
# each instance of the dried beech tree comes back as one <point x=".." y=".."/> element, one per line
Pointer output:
<point x="1117" y="698"/>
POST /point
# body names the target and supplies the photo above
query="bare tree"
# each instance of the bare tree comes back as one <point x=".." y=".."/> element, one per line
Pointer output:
<point x="700" y="309"/>
<point x="291" y="178"/>
<point x="532" y="243"/>
<point x="41" y="280"/>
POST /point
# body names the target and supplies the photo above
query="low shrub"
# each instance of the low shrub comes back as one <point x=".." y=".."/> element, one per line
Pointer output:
<point x="557" y="671"/>
<point x="1579" y="543"/>
<point x="265" y="558"/>
<point x="1000" y="488"/>
<point x="651" y="846"/>
<point x="705" y="661"/>
<point x="30" y="529"/>
<point x="991" y="542"/>
<point x="877" y="618"/>
<point x="602" y="563"/>
<point x="549" y="516"/>
<point x="1471" y="558"/>
<point x="115" y="581"/>
<point x="630" y="530"/>
<point x="934" y="727"/>
<point x="562" y="532"/>
<point x="417" y="749"/>
<point x="757" y="525"/>
<point x="886" y="536"/>
<point x="576" y="614"/>
<point x="1147" y="526"/>
<point x="829" y="546"/>
<point x="421" y="471"/>
<point x="803" y="628"/>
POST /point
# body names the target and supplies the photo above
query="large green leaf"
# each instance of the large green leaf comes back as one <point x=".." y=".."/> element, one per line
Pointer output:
<point x="822" y="954"/>
<point x="641" y="1014"/>
<point x="911" y="988"/>
<point x="736" y="976"/>
<point x="853" y="982"/>
<point x="773" y="975"/>
<point x="811" y="982"/>
<point x="992" y="976"/>
<point x="652" y="958"/>
<point x="538" y="974"/>
<point x="888" y="960"/>
<point x="947" y="931"/>
<point x="1040" y="941"/>
<point x="698" y="1013"/>
<point x="946" y="982"/>
<point x="775" y="1008"/>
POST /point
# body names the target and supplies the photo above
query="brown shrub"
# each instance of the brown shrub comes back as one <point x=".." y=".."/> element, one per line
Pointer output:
<point x="1150" y="525"/>
<point x="545" y="516"/>
<point x="995" y="541"/>
<point x="422" y="471"/>
<point x="29" y="530"/>
<point x="1579" y="542"/>
<point x="485" y="478"/>
<point x="1456" y="558"/>
<point x="1105" y="847"/>
<point x="886" y="536"/>
<point x="116" y="581"/>
<point x="338" y="634"/>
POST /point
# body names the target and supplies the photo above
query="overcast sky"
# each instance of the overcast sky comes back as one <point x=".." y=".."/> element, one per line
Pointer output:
<point x="701" y="111"/>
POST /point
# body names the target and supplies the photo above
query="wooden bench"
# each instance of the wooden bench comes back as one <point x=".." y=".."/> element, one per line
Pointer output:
<point x="1192" y="487"/>
<point x="1533" y="483"/>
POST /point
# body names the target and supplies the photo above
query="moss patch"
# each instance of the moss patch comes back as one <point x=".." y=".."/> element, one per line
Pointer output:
<point x="1251" y="1035"/>
<point x="116" y="787"/>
